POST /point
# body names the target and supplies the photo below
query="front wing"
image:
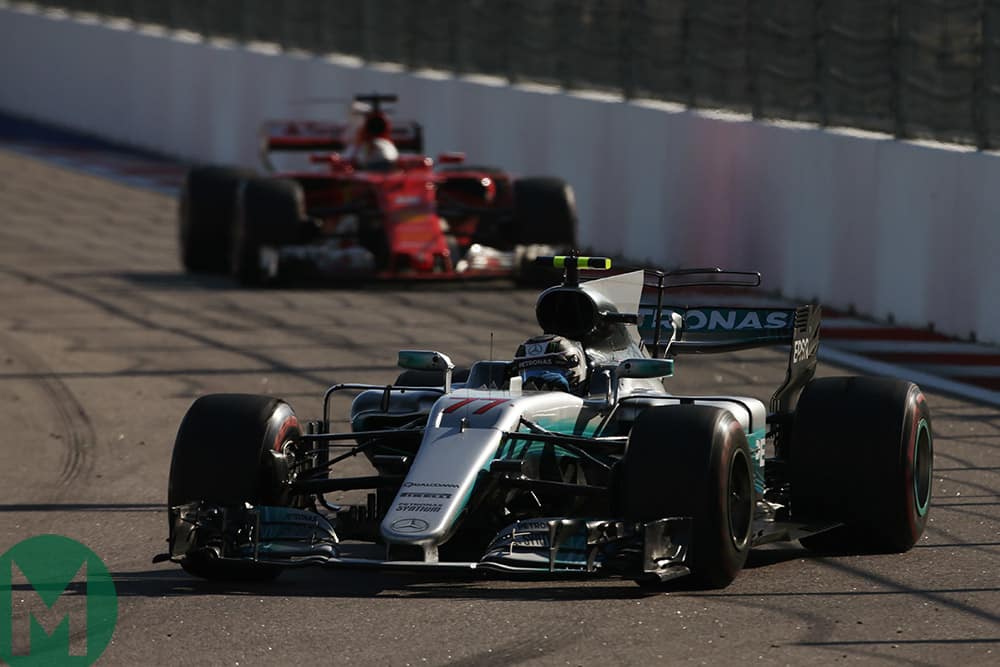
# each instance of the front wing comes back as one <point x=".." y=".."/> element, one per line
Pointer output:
<point x="559" y="547"/>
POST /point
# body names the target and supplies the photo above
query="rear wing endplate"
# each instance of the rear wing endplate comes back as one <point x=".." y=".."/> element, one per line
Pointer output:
<point x="715" y="328"/>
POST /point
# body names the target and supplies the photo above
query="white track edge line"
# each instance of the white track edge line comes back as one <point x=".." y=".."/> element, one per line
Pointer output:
<point x="925" y="380"/>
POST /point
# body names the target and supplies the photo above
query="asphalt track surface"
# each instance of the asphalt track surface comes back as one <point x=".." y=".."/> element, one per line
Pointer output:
<point x="104" y="343"/>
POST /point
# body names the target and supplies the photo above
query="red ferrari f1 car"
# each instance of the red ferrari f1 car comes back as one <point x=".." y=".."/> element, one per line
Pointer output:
<point x="368" y="203"/>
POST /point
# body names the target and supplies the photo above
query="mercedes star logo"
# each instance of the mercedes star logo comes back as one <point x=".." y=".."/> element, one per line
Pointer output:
<point x="409" y="525"/>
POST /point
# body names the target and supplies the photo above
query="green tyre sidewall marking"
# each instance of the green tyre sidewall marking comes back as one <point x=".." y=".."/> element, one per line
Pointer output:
<point x="50" y="563"/>
<point x="922" y="432"/>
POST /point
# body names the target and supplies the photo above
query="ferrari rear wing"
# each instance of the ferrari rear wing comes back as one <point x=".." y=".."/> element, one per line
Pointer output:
<point x="294" y="135"/>
<point x="715" y="328"/>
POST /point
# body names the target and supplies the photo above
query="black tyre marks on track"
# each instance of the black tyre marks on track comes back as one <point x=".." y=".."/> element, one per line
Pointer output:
<point x="73" y="425"/>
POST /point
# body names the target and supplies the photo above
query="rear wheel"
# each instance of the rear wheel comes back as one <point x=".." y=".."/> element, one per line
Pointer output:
<point x="205" y="216"/>
<point x="222" y="456"/>
<point x="692" y="460"/>
<point x="874" y="475"/>
<point x="269" y="212"/>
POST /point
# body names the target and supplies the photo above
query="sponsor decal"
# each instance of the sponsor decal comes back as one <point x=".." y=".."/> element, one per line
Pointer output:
<point x="520" y="541"/>
<point x="538" y="361"/>
<point x="800" y="350"/>
<point x="759" y="453"/>
<point x="433" y="485"/>
<point x="723" y="319"/>
<point x="418" y="507"/>
<point x="537" y="542"/>
<point x="443" y="496"/>
<point x="409" y="525"/>
<point x="407" y="200"/>
<point x="535" y="349"/>
<point x="66" y="604"/>
<point x="532" y="525"/>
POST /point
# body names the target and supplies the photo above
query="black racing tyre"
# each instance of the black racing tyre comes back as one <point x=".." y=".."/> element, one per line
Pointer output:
<point x="268" y="212"/>
<point x="544" y="212"/>
<point x="220" y="457"/>
<point x="412" y="378"/>
<point x="862" y="453"/>
<point x="205" y="216"/>
<point x="692" y="460"/>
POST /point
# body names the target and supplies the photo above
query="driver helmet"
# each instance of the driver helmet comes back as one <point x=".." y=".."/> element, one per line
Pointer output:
<point x="376" y="152"/>
<point x="376" y="125"/>
<point x="550" y="363"/>
<point x="374" y="147"/>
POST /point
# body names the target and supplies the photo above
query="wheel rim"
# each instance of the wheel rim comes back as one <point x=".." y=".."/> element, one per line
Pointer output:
<point x="740" y="499"/>
<point x="922" y="467"/>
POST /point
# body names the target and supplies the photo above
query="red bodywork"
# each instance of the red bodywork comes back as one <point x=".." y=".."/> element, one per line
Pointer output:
<point x="416" y="220"/>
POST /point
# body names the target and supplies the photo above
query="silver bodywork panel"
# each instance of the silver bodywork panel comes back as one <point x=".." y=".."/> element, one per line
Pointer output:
<point x="464" y="431"/>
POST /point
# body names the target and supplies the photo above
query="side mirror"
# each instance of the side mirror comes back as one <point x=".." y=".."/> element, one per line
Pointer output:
<point x="645" y="368"/>
<point x="427" y="360"/>
<point x="424" y="360"/>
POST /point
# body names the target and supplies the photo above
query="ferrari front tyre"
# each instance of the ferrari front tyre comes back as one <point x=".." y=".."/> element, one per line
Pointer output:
<point x="205" y="216"/>
<point x="544" y="215"/>
<point x="692" y="461"/>
<point x="222" y="456"/>
<point x="269" y="212"/>
<point x="544" y="212"/>
<point x="862" y="454"/>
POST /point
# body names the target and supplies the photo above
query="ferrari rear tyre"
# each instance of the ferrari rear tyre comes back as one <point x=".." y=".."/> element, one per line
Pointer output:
<point x="692" y="460"/>
<point x="873" y="474"/>
<point x="205" y="216"/>
<point x="269" y="212"/>
<point x="221" y="457"/>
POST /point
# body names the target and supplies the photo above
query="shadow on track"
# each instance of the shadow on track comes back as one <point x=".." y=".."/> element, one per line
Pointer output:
<point x="344" y="583"/>
<point x="178" y="280"/>
<point x="318" y="583"/>
<point x="83" y="507"/>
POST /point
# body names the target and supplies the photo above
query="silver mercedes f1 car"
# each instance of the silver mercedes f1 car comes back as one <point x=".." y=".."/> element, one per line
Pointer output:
<point x="571" y="459"/>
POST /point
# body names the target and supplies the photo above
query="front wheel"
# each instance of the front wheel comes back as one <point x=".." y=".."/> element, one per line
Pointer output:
<point x="544" y="212"/>
<point x="873" y="473"/>
<point x="693" y="461"/>
<point x="222" y="456"/>
<point x="544" y="220"/>
<point x="269" y="212"/>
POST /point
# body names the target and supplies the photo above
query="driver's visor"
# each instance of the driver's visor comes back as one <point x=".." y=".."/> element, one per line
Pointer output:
<point x="545" y="378"/>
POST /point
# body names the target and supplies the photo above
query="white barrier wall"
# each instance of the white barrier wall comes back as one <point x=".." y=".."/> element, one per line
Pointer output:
<point x="888" y="227"/>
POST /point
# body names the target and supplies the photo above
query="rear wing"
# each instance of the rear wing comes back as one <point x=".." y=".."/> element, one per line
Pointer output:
<point x="296" y="135"/>
<point x="715" y="328"/>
